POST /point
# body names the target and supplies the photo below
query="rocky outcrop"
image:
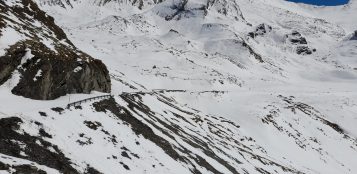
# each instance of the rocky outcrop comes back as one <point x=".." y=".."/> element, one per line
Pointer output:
<point x="296" y="38"/>
<point x="44" y="64"/>
<point x="303" y="50"/>
<point x="260" y="30"/>
<point x="300" y="43"/>
<point x="46" y="74"/>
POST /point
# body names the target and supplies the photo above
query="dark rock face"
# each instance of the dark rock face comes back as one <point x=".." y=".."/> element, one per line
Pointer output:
<point x="4" y="166"/>
<point x="46" y="73"/>
<point x="260" y="30"/>
<point x="9" y="64"/>
<point x="49" y="75"/>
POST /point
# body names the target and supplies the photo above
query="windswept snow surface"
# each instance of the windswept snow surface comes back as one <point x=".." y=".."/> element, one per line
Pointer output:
<point x="212" y="83"/>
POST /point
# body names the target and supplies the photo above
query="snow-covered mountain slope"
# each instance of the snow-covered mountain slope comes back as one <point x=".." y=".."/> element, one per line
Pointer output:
<point x="224" y="86"/>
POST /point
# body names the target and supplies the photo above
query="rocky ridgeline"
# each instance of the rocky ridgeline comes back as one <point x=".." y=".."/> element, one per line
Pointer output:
<point x="170" y="9"/>
<point x="46" y="71"/>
